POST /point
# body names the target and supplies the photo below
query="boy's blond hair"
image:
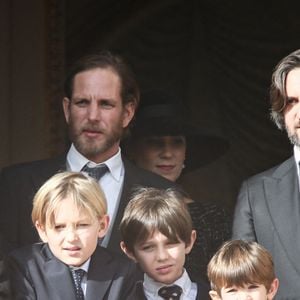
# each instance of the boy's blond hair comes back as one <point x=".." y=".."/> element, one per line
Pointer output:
<point x="238" y="263"/>
<point x="83" y="190"/>
<point x="152" y="209"/>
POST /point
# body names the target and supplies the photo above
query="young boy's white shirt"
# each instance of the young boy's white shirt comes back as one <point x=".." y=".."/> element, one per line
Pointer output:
<point x="189" y="288"/>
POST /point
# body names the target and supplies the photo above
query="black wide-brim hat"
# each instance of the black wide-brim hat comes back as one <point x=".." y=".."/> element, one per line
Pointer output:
<point x="162" y="114"/>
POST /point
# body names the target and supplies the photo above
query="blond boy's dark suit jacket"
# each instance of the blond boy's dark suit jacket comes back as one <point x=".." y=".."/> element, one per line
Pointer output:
<point x="35" y="273"/>
<point x="19" y="183"/>
<point x="268" y="211"/>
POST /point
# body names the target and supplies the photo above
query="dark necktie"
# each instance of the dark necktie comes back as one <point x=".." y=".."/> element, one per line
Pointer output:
<point x="77" y="277"/>
<point x="96" y="172"/>
<point x="172" y="292"/>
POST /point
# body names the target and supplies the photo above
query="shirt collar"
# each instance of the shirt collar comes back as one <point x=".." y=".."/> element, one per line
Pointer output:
<point x="297" y="157"/>
<point x="151" y="286"/>
<point x="76" y="161"/>
<point x="84" y="266"/>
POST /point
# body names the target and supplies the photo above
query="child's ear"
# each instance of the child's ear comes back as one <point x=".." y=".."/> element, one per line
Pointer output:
<point x="273" y="289"/>
<point x="127" y="252"/>
<point x="214" y="295"/>
<point x="104" y="222"/>
<point x="41" y="231"/>
<point x="189" y="247"/>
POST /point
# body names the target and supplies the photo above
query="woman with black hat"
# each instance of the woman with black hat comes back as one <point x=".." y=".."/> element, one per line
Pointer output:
<point x="163" y="142"/>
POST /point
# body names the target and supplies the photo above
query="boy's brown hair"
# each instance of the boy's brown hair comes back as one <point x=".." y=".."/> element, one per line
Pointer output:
<point x="152" y="209"/>
<point x="238" y="263"/>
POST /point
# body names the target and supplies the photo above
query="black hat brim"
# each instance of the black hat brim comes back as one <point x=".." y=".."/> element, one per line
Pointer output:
<point x="203" y="146"/>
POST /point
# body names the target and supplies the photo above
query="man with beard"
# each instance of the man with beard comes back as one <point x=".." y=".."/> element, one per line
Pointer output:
<point x="268" y="207"/>
<point x="101" y="96"/>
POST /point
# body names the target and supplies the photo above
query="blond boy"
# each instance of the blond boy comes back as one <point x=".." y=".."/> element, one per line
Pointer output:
<point x="242" y="270"/>
<point x="69" y="213"/>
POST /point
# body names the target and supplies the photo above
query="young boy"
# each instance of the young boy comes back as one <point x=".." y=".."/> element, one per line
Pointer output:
<point x="156" y="232"/>
<point x="242" y="270"/>
<point x="69" y="213"/>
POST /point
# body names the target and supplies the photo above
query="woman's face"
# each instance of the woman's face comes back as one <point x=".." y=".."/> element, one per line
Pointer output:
<point x="163" y="155"/>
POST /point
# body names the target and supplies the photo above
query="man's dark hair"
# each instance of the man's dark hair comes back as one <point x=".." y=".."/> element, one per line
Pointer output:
<point x="106" y="60"/>
<point x="278" y="95"/>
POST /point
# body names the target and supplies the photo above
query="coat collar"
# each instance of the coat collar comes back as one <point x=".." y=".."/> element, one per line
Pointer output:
<point x="100" y="275"/>
<point x="58" y="275"/>
<point x="283" y="202"/>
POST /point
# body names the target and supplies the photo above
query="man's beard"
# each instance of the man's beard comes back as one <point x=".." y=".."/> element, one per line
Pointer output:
<point x="91" y="148"/>
<point x="293" y="137"/>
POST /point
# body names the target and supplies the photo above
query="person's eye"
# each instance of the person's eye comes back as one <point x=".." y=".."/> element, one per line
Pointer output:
<point x="81" y="102"/>
<point x="83" y="225"/>
<point x="172" y="243"/>
<point x="59" y="227"/>
<point x="106" y="104"/>
<point x="291" y="101"/>
<point x="252" y="286"/>
<point x="157" y="143"/>
<point x="231" y="290"/>
<point x="147" y="248"/>
<point x="179" y="141"/>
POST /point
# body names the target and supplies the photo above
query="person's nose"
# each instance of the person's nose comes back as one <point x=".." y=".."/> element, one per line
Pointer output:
<point x="162" y="254"/>
<point x="93" y="112"/>
<point x="166" y="151"/>
<point x="71" y="234"/>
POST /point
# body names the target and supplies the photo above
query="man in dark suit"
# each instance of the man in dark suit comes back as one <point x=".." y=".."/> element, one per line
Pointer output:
<point x="101" y="96"/>
<point x="268" y="207"/>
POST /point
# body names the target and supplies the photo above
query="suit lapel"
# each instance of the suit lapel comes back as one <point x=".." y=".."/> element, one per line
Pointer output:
<point x="282" y="197"/>
<point x="139" y="291"/>
<point x="59" y="277"/>
<point x="100" y="275"/>
<point x="202" y="291"/>
<point x="129" y="179"/>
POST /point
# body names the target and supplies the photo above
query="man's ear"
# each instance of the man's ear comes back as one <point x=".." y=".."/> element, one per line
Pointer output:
<point x="214" y="295"/>
<point x="104" y="222"/>
<point x="66" y="107"/>
<point x="41" y="231"/>
<point x="273" y="289"/>
<point x="189" y="247"/>
<point x="127" y="252"/>
<point x="128" y="113"/>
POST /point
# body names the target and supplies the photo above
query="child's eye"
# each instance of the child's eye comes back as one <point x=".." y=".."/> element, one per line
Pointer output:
<point x="231" y="290"/>
<point x="253" y="286"/>
<point x="82" y="225"/>
<point x="147" y="248"/>
<point x="172" y="243"/>
<point x="59" y="227"/>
